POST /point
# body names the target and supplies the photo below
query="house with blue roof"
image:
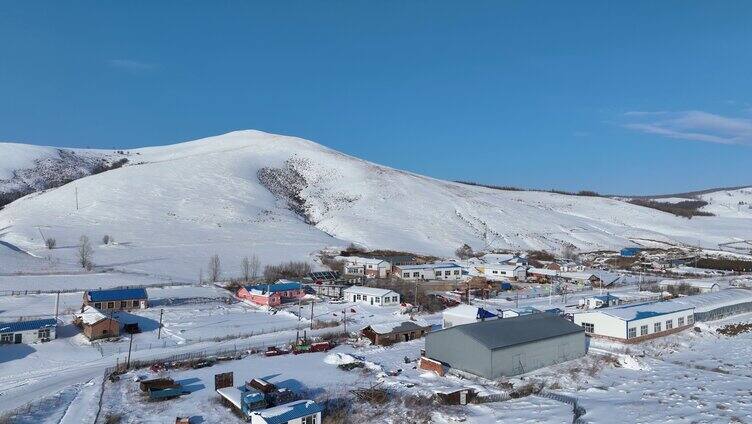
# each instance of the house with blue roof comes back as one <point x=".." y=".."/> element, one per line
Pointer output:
<point x="273" y="294"/>
<point x="298" y="412"/>
<point x="38" y="330"/>
<point x="123" y="299"/>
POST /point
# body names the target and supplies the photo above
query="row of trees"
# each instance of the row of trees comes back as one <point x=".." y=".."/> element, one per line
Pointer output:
<point x="250" y="268"/>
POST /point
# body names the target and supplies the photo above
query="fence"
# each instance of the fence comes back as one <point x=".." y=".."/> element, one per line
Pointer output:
<point x="80" y="290"/>
<point x="577" y="410"/>
<point x="724" y="311"/>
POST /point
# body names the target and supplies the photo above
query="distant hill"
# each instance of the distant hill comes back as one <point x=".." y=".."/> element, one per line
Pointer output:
<point x="169" y="208"/>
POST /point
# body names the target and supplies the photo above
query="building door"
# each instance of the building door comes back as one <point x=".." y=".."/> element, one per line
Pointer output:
<point x="17" y="338"/>
<point x="371" y="300"/>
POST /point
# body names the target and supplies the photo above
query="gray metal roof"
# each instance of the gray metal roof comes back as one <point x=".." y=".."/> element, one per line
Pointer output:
<point x="500" y="333"/>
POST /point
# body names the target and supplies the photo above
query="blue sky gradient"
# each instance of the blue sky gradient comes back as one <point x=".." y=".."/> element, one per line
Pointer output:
<point x="632" y="98"/>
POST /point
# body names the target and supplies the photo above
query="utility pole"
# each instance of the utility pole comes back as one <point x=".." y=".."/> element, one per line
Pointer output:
<point x="344" y="318"/>
<point x="159" y="333"/>
<point x="415" y="298"/>
<point x="57" y="304"/>
<point x="76" y="189"/>
<point x="312" y="315"/>
<point x="130" y="345"/>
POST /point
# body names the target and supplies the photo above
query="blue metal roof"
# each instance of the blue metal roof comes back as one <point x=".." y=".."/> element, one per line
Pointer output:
<point x="283" y="413"/>
<point x="12" y="327"/>
<point x="274" y="288"/>
<point x="117" y="294"/>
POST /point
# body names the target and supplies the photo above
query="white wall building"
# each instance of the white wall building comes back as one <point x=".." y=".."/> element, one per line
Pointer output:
<point x="372" y="296"/>
<point x="32" y="331"/>
<point x="465" y="314"/>
<point x="370" y="267"/>
<point x="504" y="271"/>
<point x="634" y="323"/>
<point x="437" y="271"/>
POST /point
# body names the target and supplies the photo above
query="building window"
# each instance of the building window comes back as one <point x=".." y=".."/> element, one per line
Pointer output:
<point x="457" y="272"/>
<point x="657" y="327"/>
<point x="135" y="303"/>
<point x="644" y="330"/>
<point x="44" y="333"/>
<point x="123" y="304"/>
<point x="311" y="419"/>
<point x="394" y="298"/>
<point x="416" y="274"/>
<point x="690" y="319"/>
<point x="98" y="305"/>
<point x="669" y="324"/>
<point x="680" y="321"/>
<point x="495" y="271"/>
<point x="378" y="300"/>
<point x="589" y="328"/>
<point x="405" y="275"/>
<point x="632" y="333"/>
<point x="447" y="273"/>
<point x="6" y="338"/>
<point x="110" y="305"/>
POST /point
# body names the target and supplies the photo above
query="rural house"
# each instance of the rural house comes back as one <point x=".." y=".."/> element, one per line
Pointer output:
<point x="387" y="334"/>
<point x="38" y="330"/>
<point x="506" y="347"/>
<point x="438" y="271"/>
<point x="372" y="296"/>
<point x="117" y="299"/>
<point x="96" y="325"/>
<point x="635" y="323"/>
<point x="272" y="294"/>
<point x="370" y="267"/>
<point x="504" y="271"/>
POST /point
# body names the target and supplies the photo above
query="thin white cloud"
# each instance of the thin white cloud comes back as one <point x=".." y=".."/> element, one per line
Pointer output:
<point x="692" y="125"/>
<point x="133" y="66"/>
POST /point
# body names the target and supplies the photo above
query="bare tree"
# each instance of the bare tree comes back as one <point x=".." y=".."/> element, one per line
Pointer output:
<point x="85" y="253"/>
<point x="464" y="252"/>
<point x="50" y="243"/>
<point x="569" y="252"/>
<point x="215" y="269"/>
<point x="255" y="266"/>
<point x="245" y="268"/>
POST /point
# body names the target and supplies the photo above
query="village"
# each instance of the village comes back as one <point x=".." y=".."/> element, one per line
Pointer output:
<point x="435" y="339"/>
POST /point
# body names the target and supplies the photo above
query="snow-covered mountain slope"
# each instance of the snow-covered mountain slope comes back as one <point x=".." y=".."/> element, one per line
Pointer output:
<point x="285" y="198"/>
<point x="25" y="169"/>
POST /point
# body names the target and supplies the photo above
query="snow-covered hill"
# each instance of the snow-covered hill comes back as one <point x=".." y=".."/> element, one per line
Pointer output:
<point x="286" y="198"/>
<point x="26" y="169"/>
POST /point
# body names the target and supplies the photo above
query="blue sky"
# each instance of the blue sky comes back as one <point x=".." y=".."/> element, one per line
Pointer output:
<point x="644" y="97"/>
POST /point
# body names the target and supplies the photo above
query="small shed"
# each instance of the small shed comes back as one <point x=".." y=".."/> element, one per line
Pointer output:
<point x="301" y="411"/>
<point x="630" y="252"/>
<point x="456" y="397"/>
<point x="96" y="325"/>
<point x="387" y="334"/>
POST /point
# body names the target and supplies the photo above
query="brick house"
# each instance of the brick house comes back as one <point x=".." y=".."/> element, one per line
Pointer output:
<point x="272" y="294"/>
